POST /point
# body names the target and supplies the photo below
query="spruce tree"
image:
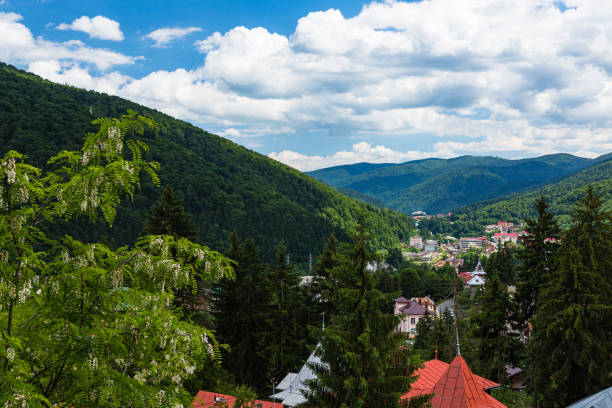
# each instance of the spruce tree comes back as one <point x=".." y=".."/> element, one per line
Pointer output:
<point x="241" y="310"/>
<point x="424" y="340"/>
<point x="363" y="361"/>
<point x="498" y="345"/>
<point x="444" y="336"/>
<point x="537" y="256"/>
<point x="319" y="291"/>
<point x="168" y="217"/>
<point x="282" y="343"/>
<point x="572" y="326"/>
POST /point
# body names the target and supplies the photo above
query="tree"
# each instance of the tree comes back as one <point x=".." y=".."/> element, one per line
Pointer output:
<point x="84" y="324"/>
<point x="320" y="290"/>
<point x="168" y="217"/>
<point x="538" y="254"/>
<point x="572" y="326"/>
<point x="363" y="361"/>
<point x="424" y="340"/>
<point x="498" y="345"/>
<point x="282" y="343"/>
<point x="444" y="336"/>
<point x="241" y="310"/>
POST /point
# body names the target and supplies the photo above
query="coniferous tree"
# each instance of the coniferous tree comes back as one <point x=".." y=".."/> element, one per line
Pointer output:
<point x="363" y="363"/>
<point x="444" y="336"/>
<point x="282" y="343"/>
<point x="538" y="255"/>
<point x="572" y="326"/>
<point x="319" y="291"/>
<point x="498" y="345"/>
<point x="241" y="310"/>
<point x="424" y="340"/>
<point x="169" y="218"/>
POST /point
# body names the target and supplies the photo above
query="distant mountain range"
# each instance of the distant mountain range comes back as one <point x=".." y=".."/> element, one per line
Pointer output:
<point x="443" y="185"/>
<point x="561" y="195"/>
<point x="225" y="187"/>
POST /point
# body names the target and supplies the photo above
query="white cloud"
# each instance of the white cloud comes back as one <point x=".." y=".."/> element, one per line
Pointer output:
<point x="164" y="36"/>
<point x="18" y="45"/>
<point x="502" y="77"/>
<point x="360" y="152"/>
<point x="99" y="27"/>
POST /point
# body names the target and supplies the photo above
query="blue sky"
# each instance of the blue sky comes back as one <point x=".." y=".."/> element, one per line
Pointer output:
<point x="321" y="83"/>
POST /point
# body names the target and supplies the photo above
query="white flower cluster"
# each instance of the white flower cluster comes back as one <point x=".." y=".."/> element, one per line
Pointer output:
<point x="24" y="292"/>
<point x="17" y="222"/>
<point x="159" y="247"/>
<point x="92" y="362"/>
<point x="199" y="254"/>
<point x="19" y="401"/>
<point x="116" y="278"/>
<point x="3" y="203"/>
<point x="4" y="256"/>
<point x="10" y="354"/>
<point x="9" y="169"/>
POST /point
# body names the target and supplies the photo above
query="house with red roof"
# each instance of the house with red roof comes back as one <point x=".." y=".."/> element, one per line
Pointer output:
<point x="206" y="399"/>
<point x="453" y="386"/>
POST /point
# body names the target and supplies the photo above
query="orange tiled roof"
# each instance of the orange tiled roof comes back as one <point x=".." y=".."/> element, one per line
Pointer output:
<point x="454" y="386"/>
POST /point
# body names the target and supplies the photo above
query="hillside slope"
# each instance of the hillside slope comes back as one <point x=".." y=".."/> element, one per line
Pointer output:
<point x="225" y="187"/>
<point x="561" y="196"/>
<point x="439" y="185"/>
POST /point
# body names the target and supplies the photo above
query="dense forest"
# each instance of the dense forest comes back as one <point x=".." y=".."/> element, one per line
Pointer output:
<point x="439" y="186"/>
<point x="224" y="186"/>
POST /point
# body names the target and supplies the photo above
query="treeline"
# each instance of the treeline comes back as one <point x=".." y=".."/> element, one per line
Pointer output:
<point x="545" y="308"/>
<point x="224" y="186"/>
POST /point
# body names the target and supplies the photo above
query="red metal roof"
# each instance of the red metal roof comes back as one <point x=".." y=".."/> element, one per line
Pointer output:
<point x="454" y="386"/>
<point x="465" y="276"/>
<point x="206" y="399"/>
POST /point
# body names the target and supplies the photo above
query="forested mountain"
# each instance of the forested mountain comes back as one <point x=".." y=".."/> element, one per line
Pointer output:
<point x="439" y="185"/>
<point x="561" y="197"/>
<point x="225" y="187"/>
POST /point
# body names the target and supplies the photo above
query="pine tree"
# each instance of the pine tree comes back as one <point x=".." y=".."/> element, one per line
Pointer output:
<point x="572" y="326"/>
<point x="363" y="363"/>
<point x="241" y="310"/>
<point x="169" y="218"/>
<point x="498" y="345"/>
<point x="282" y="343"/>
<point x="444" y="336"/>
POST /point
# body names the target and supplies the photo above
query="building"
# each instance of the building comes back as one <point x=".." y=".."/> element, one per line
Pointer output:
<point x="416" y="242"/>
<point x="467" y="243"/>
<point x="453" y="385"/>
<point x="501" y="238"/>
<point x="430" y="245"/>
<point x="444" y="306"/>
<point x="293" y="387"/>
<point x="206" y="399"/>
<point x="411" y="312"/>
<point x="602" y="399"/>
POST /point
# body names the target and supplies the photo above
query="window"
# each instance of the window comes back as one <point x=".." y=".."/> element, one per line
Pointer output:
<point x="412" y="320"/>
<point x="413" y="331"/>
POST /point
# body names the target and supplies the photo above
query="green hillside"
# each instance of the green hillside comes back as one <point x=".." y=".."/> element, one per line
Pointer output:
<point x="225" y="187"/>
<point x="561" y="195"/>
<point x="439" y="185"/>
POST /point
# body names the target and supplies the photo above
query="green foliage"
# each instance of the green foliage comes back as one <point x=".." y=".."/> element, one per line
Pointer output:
<point x="225" y="187"/>
<point x="498" y="345"/>
<point x="242" y="307"/>
<point x="169" y="218"/>
<point x="572" y="326"/>
<point x="83" y="324"/>
<point x="282" y="343"/>
<point x="512" y="398"/>
<point x="561" y="196"/>
<point x="437" y="185"/>
<point x="363" y="364"/>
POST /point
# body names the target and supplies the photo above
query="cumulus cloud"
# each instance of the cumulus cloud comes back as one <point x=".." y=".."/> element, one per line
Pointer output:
<point x="99" y="27"/>
<point x="504" y="77"/>
<point x="164" y="36"/>
<point x="18" y="45"/>
<point x="360" y="152"/>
